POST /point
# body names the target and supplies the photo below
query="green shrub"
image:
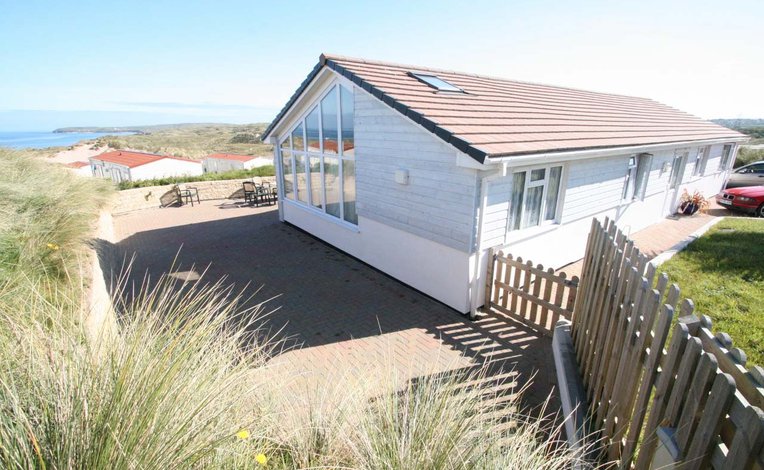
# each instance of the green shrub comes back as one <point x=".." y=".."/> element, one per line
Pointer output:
<point x="267" y="170"/>
<point x="245" y="138"/>
<point x="748" y="155"/>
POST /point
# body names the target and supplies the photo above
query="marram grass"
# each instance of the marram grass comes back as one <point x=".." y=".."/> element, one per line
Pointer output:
<point x="187" y="381"/>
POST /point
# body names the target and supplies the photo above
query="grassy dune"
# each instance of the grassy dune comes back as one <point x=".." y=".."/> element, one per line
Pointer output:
<point x="194" y="140"/>
<point x="186" y="380"/>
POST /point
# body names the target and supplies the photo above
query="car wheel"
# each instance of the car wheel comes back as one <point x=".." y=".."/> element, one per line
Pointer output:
<point x="760" y="211"/>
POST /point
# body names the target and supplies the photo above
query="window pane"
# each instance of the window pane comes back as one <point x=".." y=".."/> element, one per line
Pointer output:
<point x="676" y="172"/>
<point x="726" y="152"/>
<point x="532" y="208"/>
<point x="348" y="136"/>
<point x="699" y="163"/>
<point x="552" y="193"/>
<point x="287" y="176"/>
<point x="348" y="190"/>
<point x="518" y="187"/>
<point x="643" y="173"/>
<point x="329" y="122"/>
<point x="302" y="184"/>
<point x="298" y="142"/>
<point x="627" y="185"/>
<point x="538" y="175"/>
<point x="285" y="144"/>
<point x="311" y="124"/>
<point x="315" y="182"/>
<point x="332" y="186"/>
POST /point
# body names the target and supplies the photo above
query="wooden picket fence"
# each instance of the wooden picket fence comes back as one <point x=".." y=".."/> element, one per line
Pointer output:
<point x="697" y="395"/>
<point x="528" y="293"/>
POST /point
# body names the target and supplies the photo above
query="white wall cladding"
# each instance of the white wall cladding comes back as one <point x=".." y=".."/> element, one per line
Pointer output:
<point x="496" y="211"/>
<point x="164" y="168"/>
<point x="433" y="268"/>
<point x="439" y="201"/>
<point x="594" y="188"/>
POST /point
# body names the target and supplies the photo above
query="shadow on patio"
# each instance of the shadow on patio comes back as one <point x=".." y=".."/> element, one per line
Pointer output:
<point x="339" y="310"/>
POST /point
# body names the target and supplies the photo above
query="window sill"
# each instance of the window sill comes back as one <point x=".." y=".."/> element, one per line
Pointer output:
<point x="516" y="236"/>
<point x="322" y="215"/>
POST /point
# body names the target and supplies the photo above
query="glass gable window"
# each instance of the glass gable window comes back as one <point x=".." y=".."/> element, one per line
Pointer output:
<point x="329" y="129"/>
<point x="301" y="178"/>
<point x="321" y="174"/>
<point x="348" y="139"/>
<point x="535" y="197"/>
<point x="287" y="169"/>
<point x="311" y="126"/>
<point x="298" y="139"/>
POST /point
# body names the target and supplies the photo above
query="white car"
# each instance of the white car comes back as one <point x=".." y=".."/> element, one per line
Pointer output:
<point x="748" y="175"/>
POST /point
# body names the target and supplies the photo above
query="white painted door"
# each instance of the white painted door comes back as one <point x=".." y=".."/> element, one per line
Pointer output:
<point x="675" y="181"/>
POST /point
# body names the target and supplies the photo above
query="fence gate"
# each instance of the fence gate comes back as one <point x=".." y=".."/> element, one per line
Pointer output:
<point x="532" y="295"/>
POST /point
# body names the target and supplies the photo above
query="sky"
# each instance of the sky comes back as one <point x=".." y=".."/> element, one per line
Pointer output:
<point x="120" y="63"/>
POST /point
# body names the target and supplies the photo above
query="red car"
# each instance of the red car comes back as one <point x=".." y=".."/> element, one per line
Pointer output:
<point x="747" y="199"/>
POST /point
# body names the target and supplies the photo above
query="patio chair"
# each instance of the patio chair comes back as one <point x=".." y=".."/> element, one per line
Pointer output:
<point x="273" y="190"/>
<point x="187" y="194"/>
<point x="263" y="195"/>
<point x="250" y="192"/>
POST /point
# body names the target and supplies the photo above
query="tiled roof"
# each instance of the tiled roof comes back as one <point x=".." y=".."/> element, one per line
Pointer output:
<point x="496" y="117"/>
<point x="132" y="159"/>
<point x="230" y="156"/>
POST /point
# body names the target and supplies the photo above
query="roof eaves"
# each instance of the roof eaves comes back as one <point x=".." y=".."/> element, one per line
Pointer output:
<point x="606" y="147"/>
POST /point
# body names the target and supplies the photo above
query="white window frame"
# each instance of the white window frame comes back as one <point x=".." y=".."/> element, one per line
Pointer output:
<point x="637" y="177"/>
<point x="701" y="162"/>
<point x="726" y="158"/>
<point x="630" y="179"/>
<point x="678" y="165"/>
<point x="340" y="156"/>
<point x="533" y="184"/>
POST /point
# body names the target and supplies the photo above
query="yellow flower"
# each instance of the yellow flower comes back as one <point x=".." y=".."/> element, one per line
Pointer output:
<point x="243" y="434"/>
<point x="261" y="459"/>
<point x="53" y="246"/>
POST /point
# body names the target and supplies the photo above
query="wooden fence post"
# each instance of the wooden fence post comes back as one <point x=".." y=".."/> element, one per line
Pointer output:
<point x="489" y="279"/>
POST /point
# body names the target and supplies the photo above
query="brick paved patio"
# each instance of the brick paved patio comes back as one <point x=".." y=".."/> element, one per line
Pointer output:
<point x="351" y="321"/>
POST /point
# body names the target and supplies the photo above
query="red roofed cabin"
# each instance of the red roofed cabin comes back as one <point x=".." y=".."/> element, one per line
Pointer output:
<point x="79" y="168"/>
<point x="220" y="162"/>
<point x="124" y="165"/>
<point x="435" y="167"/>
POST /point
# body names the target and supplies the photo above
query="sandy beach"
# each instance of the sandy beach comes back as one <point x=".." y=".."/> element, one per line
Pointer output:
<point x="80" y="153"/>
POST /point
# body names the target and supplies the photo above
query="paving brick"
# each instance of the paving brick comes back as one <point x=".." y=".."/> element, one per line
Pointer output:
<point x="350" y="321"/>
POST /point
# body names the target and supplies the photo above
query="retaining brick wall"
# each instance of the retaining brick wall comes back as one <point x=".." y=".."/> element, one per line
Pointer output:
<point x="130" y="200"/>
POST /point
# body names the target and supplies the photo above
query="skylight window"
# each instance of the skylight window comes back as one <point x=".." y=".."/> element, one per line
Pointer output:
<point x="435" y="82"/>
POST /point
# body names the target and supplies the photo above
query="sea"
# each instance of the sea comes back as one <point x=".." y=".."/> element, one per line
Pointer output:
<point x="41" y="140"/>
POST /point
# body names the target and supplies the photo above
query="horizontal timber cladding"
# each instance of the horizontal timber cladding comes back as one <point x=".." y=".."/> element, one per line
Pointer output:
<point x="438" y="202"/>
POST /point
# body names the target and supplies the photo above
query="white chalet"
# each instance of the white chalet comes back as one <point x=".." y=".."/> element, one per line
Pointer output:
<point x="124" y="165"/>
<point x="418" y="172"/>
